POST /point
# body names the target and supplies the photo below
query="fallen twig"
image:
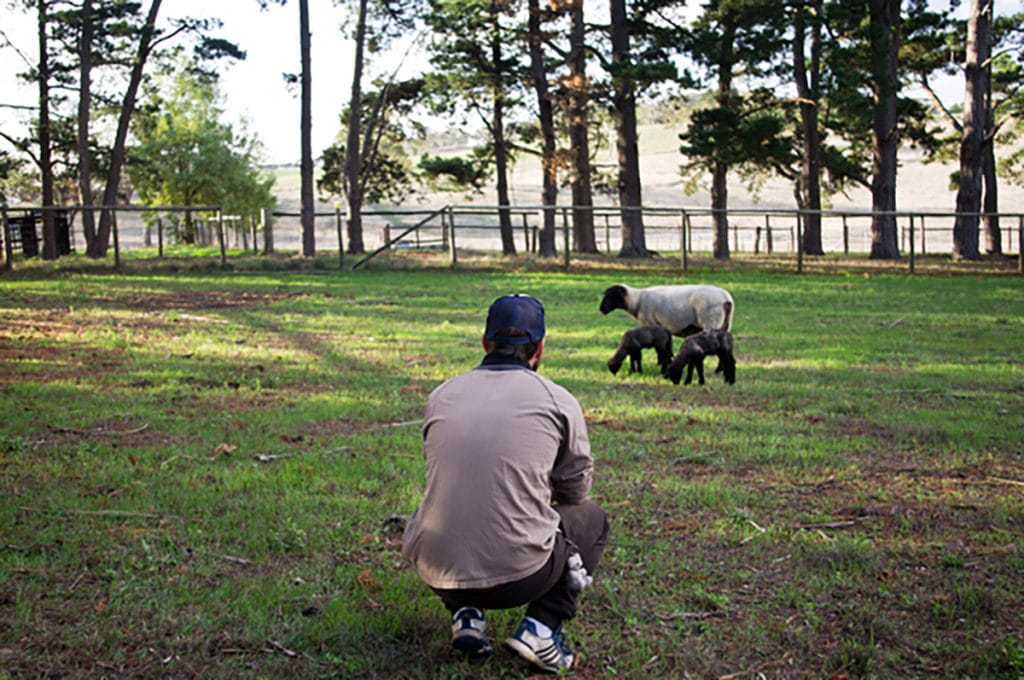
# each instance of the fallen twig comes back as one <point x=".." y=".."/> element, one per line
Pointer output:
<point x="756" y="526"/>
<point x="196" y="317"/>
<point x="98" y="432"/>
<point x="232" y="558"/>
<point x="690" y="616"/>
<point x="831" y="525"/>
<point x="1003" y="480"/>
<point x="169" y="461"/>
<point x="405" y="423"/>
<point x="78" y="579"/>
<point x="100" y="513"/>
<point x="270" y="458"/>
<point x="281" y="648"/>
<point x="29" y="547"/>
<point x="695" y="456"/>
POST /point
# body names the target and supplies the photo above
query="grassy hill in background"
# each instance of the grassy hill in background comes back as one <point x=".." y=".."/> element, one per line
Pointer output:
<point x="920" y="186"/>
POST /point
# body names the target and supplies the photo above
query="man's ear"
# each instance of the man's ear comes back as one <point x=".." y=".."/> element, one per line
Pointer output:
<point x="535" y="359"/>
<point x="486" y="344"/>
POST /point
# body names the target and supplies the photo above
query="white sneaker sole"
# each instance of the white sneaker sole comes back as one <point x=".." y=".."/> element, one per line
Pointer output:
<point x="524" y="651"/>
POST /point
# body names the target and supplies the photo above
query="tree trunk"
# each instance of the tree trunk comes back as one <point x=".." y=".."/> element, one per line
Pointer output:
<point x="968" y="195"/>
<point x="98" y="248"/>
<point x="809" y="186"/>
<point x="719" y="209"/>
<point x="990" y="200"/>
<point x="45" y="164"/>
<point x="84" y="103"/>
<point x="308" y="209"/>
<point x="508" y="241"/>
<point x="549" y="176"/>
<point x="624" y="113"/>
<point x="353" y="185"/>
<point x="579" y="94"/>
<point x="720" y="167"/>
<point x="884" y="29"/>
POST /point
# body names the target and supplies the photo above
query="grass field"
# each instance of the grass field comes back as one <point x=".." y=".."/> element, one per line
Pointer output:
<point x="205" y="473"/>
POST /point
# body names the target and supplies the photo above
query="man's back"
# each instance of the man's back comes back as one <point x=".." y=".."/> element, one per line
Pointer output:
<point x="498" y="441"/>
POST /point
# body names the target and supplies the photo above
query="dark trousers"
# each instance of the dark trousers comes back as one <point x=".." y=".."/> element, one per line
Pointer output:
<point x="545" y="593"/>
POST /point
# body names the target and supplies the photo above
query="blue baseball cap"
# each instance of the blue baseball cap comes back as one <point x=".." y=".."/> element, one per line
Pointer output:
<point x="515" y="311"/>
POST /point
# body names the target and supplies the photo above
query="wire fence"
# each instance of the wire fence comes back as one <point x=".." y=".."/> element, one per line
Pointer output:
<point x="463" y="229"/>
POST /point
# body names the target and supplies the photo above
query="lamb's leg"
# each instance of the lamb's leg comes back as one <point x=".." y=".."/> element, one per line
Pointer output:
<point x="664" y="358"/>
<point x="634" y="361"/>
<point x="689" y="373"/>
<point x="700" y="371"/>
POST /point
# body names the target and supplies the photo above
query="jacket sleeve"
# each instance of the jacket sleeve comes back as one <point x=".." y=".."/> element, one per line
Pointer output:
<point x="572" y="474"/>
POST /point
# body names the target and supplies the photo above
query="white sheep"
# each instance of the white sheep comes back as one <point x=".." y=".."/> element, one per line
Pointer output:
<point x="683" y="310"/>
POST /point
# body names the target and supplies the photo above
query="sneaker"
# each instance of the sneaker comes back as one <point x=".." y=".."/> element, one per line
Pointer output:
<point x="551" y="654"/>
<point x="469" y="632"/>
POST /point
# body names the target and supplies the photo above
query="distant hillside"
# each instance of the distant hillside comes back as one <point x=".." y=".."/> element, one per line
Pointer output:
<point x="920" y="186"/>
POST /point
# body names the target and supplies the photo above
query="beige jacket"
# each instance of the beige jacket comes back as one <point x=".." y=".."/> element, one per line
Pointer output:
<point x="500" y="443"/>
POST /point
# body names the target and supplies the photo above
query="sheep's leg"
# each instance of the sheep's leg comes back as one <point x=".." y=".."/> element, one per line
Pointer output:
<point x="634" y="361"/>
<point x="664" y="358"/>
<point x="689" y="373"/>
<point x="700" y="371"/>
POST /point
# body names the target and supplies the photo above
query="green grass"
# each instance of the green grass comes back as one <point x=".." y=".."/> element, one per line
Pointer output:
<point x="205" y="471"/>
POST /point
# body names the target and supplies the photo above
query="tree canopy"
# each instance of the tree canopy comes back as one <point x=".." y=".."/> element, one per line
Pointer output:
<point x="813" y="91"/>
<point x="185" y="155"/>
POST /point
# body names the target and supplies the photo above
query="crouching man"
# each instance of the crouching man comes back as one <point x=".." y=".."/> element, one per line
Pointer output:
<point x="505" y="520"/>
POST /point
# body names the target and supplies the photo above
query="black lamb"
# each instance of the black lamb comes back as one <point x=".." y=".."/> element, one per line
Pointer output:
<point x="711" y="342"/>
<point x="637" y="339"/>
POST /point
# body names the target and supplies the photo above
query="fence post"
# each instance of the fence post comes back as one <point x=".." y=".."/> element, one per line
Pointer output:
<point x="341" y="245"/>
<point x="565" y="236"/>
<point x="451" y="239"/>
<point x="1020" y="244"/>
<point x="160" y="236"/>
<point x="220" y="237"/>
<point x="911" y="244"/>
<point x="924" y="235"/>
<point x="799" y="243"/>
<point x="846" y="237"/>
<point x="6" y="236"/>
<point x="526" y="231"/>
<point x="684" y="220"/>
<point x="689" y="233"/>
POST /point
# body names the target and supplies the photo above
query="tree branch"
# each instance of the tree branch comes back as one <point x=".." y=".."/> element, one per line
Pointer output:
<point x="957" y="125"/>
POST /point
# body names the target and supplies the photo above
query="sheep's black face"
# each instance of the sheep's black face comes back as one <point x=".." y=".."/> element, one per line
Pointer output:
<point x="674" y="371"/>
<point x="614" y="366"/>
<point x="614" y="298"/>
<point x="728" y="364"/>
